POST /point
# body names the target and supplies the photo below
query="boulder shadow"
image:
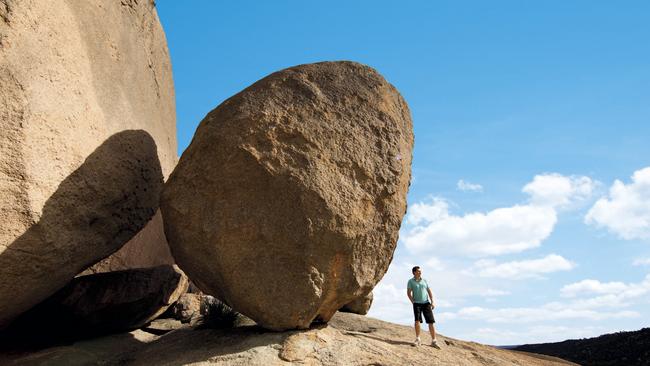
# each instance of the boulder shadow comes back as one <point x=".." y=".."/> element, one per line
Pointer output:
<point x="93" y="212"/>
<point x="194" y="345"/>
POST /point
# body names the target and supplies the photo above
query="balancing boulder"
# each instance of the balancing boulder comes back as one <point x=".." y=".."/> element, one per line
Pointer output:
<point x="288" y="202"/>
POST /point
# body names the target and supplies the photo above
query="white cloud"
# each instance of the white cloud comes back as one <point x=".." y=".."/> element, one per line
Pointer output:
<point x="437" y="210"/>
<point x="619" y="290"/>
<point x="548" y="312"/>
<point x="522" y="269"/>
<point x="493" y="293"/>
<point x="592" y="287"/>
<point x="391" y="303"/>
<point x="500" y="231"/>
<point x="559" y="191"/>
<point x="532" y="334"/>
<point x="467" y="186"/>
<point x="434" y="262"/>
<point x="626" y="210"/>
<point x="641" y="262"/>
<point x="613" y="295"/>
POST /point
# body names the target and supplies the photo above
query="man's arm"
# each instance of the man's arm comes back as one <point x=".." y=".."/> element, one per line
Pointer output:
<point x="409" y="293"/>
<point x="431" y="298"/>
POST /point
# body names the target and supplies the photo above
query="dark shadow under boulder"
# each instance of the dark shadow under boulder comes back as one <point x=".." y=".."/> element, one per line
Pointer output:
<point x="99" y="304"/>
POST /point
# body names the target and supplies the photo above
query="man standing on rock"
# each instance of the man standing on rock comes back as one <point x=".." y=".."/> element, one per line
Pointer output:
<point x="421" y="297"/>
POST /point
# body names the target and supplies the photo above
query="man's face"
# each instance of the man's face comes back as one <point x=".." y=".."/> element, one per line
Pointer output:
<point x="417" y="273"/>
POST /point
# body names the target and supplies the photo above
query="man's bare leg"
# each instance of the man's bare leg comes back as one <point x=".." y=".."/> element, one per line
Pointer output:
<point x="417" y="333"/>
<point x="432" y="331"/>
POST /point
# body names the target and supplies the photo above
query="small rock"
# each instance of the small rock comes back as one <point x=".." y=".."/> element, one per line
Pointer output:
<point x="359" y="306"/>
<point x="187" y="307"/>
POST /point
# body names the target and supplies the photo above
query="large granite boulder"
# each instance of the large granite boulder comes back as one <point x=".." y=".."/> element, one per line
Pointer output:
<point x="288" y="202"/>
<point x="86" y="87"/>
<point x="102" y="303"/>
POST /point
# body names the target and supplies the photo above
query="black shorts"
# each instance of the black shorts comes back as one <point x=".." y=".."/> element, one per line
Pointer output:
<point x="419" y="309"/>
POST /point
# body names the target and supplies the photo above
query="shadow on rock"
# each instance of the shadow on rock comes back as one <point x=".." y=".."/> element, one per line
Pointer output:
<point x="98" y="304"/>
<point x="190" y="345"/>
<point x="93" y="212"/>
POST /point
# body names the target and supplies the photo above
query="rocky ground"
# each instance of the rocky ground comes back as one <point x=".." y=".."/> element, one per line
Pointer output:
<point x="348" y="339"/>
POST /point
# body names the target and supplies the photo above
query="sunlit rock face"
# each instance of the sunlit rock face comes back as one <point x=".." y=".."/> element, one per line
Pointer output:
<point x="288" y="202"/>
<point x="87" y="134"/>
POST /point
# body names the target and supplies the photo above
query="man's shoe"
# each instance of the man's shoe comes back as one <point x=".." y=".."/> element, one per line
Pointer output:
<point x="416" y="342"/>
<point x="434" y="344"/>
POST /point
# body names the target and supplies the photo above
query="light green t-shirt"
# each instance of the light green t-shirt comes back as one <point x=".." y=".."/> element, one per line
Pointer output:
<point x="420" y="294"/>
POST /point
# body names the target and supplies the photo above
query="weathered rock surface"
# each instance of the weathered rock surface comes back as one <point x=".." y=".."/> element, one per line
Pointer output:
<point x="187" y="307"/>
<point x="348" y="340"/>
<point x="360" y="305"/>
<point x="148" y="248"/>
<point x="75" y="76"/>
<point x="288" y="202"/>
<point x="104" y="303"/>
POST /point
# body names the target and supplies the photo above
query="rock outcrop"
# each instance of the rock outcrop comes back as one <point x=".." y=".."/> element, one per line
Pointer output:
<point x="348" y="340"/>
<point x="103" y="303"/>
<point x="288" y="202"/>
<point x="187" y="307"/>
<point x="360" y="306"/>
<point x="77" y="77"/>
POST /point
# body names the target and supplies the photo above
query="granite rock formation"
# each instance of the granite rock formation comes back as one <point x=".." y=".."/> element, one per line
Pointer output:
<point x="348" y="339"/>
<point x="103" y="303"/>
<point x="77" y="77"/>
<point x="186" y="308"/>
<point x="288" y="202"/>
<point x="360" y="305"/>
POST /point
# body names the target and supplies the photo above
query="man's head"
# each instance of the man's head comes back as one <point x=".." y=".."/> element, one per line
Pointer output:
<point x="416" y="271"/>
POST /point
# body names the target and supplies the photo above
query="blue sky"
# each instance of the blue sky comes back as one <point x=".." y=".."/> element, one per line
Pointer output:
<point x="525" y="115"/>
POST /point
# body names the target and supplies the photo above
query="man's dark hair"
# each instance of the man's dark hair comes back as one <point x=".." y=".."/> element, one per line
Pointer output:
<point x="415" y="269"/>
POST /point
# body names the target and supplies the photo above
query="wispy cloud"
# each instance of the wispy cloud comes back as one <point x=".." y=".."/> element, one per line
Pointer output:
<point x="626" y="210"/>
<point x="619" y="289"/>
<point x="547" y="312"/>
<point x="522" y="269"/>
<point x="530" y="334"/>
<point x="493" y="293"/>
<point x="467" y="186"/>
<point x="641" y="262"/>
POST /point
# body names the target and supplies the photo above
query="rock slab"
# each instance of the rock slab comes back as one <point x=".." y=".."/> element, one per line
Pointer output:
<point x="348" y="340"/>
<point x="104" y="303"/>
<point x="83" y="82"/>
<point x="288" y="202"/>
